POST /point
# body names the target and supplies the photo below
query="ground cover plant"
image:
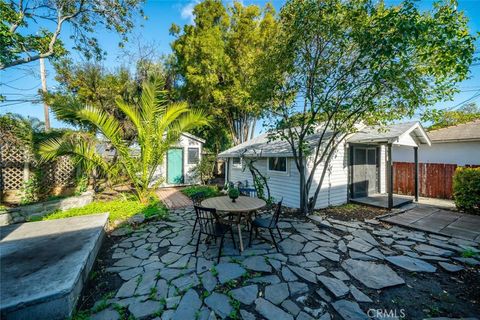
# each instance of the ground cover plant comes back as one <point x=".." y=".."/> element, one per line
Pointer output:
<point x="208" y="191"/>
<point x="120" y="210"/>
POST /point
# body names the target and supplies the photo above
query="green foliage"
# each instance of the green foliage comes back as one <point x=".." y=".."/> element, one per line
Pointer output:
<point x="233" y="193"/>
<point x="81" y="185"/>
<point x="335" y="64"/>
<point x="466" y="189"/>
<point x="469" y="253"/>
<point x="119" y="210"/>
<point x="30" y="190"/>
<point x="208" y="191"/>
<point x="446" y="118"/>
<point x="157" y="124"/>
<point x="24" y="37"/>
<point x="204" y="169"/>
<point x="217" y="58"/>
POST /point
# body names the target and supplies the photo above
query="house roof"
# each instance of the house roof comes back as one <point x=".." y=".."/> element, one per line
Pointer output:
<point x="394" y="133"/>
<point x="261" y="146"/>
<point x="469" y="131"/>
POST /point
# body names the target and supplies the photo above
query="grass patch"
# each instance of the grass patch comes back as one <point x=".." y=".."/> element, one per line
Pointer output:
<point x="120" y="210"/>
<point x="208" y="191"/>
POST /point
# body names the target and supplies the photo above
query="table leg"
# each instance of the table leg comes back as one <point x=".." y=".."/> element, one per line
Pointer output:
<point x="240" y="236"/>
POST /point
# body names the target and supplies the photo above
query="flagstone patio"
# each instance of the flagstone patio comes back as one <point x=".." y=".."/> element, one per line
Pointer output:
<point x="327" y="269"/>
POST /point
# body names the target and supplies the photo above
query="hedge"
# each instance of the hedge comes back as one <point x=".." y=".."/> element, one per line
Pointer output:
<point x="466" y="189"/>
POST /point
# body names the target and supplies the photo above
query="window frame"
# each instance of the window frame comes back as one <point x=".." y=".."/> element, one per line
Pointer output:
<point x="286" y="172"/>
<point x="188" y="155"/>
<point x="237" y="165"/>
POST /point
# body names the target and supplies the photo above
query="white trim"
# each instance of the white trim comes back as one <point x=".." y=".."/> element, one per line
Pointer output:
<point x="287" y="167"/>
<point x="237" y="165"/>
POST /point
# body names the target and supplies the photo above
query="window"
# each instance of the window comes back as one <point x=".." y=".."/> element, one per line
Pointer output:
<point x="277" y="164"/>
<point x="236" y="162"/>
<point x="193" y="155"/>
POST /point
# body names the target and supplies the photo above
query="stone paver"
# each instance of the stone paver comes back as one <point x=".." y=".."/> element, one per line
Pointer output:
<point x="270" y="311"/>
<point x="333" y="266"/>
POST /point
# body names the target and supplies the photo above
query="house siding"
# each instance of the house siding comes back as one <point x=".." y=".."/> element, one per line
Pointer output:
<point x="459" y="153"/>
<point x="284" y="186"/>
<point x="334" y="189"/>
<point x="184" y="143"/>
<point x="287" y="186"/>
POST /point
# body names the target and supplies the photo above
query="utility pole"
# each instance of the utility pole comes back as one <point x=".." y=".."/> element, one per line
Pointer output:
<point x="43" y="76"/>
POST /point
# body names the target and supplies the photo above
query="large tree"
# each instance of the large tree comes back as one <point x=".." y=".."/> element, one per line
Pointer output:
<point x="30" y="30"/>
<point x="217" y="58"/>
<point x="338" y="64"/>
<point x="442" y="118"/>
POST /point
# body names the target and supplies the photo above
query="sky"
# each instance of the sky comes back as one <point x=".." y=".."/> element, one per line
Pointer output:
<point x="23" y="83"/>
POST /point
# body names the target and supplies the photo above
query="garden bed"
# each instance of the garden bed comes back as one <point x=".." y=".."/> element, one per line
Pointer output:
<point x="351" y="211"/>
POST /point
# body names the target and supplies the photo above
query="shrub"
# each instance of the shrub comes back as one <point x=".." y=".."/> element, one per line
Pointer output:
<point x="208" y="191"/>
<point x="466" y="189"/>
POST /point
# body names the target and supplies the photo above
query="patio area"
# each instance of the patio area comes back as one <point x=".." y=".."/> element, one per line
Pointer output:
<point x="325" y="270"/>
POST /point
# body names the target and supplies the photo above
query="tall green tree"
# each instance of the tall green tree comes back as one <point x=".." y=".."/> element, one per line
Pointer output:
<point x="446" y="118"/>
<point x="157" y="122"/>
<point x="30" y="30"/>
<point x="217" y="59"/>
<point x="338" y="64"/>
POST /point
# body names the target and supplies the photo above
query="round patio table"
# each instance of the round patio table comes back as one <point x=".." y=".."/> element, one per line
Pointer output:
<point x="241" y="206"/>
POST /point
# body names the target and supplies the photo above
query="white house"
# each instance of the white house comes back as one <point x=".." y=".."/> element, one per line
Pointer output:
<point x="458" y="145"/>
<point x="357" y="171"/>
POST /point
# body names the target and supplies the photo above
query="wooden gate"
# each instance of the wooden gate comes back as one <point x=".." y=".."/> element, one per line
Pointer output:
<point x="435" y="179"/>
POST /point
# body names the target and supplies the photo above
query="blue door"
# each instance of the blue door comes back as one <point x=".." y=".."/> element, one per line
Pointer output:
<point x="175" y="166"/>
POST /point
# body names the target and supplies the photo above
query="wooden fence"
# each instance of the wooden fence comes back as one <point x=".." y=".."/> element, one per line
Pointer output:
<point x="435" y="179"/>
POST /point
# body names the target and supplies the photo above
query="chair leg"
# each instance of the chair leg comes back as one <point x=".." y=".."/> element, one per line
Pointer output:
<point x="198" y="242"/>
<point x="273" y="239"/>
<point x="233" y="238"/>
<point x="250" y="237"/>
<point x="194" y="225"/>
<point x="279" y="234"/>
<point x="220" y="250"/>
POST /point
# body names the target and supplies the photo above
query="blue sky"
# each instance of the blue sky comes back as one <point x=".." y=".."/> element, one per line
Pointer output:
<point x="23" y="82"/>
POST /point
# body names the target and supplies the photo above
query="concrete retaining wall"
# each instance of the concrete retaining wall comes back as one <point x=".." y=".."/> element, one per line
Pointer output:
<point x="24" y="213"/>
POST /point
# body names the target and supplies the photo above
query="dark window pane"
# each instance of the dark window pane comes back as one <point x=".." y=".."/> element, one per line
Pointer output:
<point x="193" y="154"/>
<point x="372" y="154"/>
<point x="236" y="160"/>
<point x="277" y="164"/>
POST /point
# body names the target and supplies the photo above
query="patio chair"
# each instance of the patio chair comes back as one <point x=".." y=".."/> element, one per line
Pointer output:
<point x="211" y="225"/>
<point x="249" y="192"/>
<point x="268" y="223"/>
<point x="197" y="198"/>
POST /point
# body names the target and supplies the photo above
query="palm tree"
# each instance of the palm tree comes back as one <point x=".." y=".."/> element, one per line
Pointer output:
<point x="158" y="125"/>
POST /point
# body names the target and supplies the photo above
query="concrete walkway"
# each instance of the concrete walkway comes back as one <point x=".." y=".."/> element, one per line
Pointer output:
<point x="173" y="198"/>
<point x="437" y="220"/>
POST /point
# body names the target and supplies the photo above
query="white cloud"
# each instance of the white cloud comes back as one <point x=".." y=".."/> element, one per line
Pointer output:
<point x="187" y="11"/>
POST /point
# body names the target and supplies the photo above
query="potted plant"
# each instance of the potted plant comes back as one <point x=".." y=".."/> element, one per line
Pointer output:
<point x="233" y="193"/>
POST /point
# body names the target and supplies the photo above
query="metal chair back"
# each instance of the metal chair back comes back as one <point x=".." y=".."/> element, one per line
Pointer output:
<point x="198" y="197"/>
<point x="276" y="215"/>
<point x="249" y="192"/>
<point x="207" y="219"/>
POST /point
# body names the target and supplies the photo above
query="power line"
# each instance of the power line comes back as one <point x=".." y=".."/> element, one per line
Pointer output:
<point x="475" y="95"/>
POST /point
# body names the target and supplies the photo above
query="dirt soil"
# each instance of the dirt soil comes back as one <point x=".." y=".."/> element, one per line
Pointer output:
<point x="351" y="212"/>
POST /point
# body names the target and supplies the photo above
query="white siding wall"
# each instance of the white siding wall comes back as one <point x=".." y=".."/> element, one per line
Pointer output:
<point x="287" y="186"/>
<point x="460" y="153"/>
<point x="335" y="184"/>
<point x="282" y="185"/>
<point x="184" y="143"/>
